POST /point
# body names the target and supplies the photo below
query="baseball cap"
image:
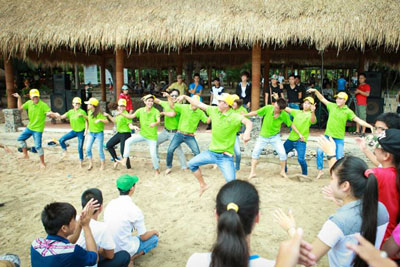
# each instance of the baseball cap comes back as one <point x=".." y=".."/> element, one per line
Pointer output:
<point x="147" y="97"/>
<point x="125" y="87"/>
<point x="342" y="95"/>
<point x="389" y="140"/>
<point x="34" y="92"/>
<point x="77" y="100"/>
<point x="122" y="102"/>
<point x="309" y="99"/>
<point x="92" y="101"/>
<point x="125" y="182"/>
<point x="275" y="77"/>
<point x="227" y="98"/>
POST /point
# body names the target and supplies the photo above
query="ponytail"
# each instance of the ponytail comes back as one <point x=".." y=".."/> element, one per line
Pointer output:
<point x="231" y="247"/>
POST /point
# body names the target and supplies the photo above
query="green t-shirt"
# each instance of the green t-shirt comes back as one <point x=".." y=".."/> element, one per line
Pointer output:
<point x="272" y="126"/>
<point x="224" y="129"/>
<point x="337" y="119"/>
<point x="36" y="114"/>
<point x="145" y="119"/>
<point x="190" y="118"/>
<point x="77" y="122"/>
<point x="302" y="121"/>
<point x="96" y="127"/>
<point x="123" y="123"/>
<point x="242" y="110"/>
<point x="170" y="123"/>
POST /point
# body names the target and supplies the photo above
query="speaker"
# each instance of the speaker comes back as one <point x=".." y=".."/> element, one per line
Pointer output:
<point x="374" y="79"/>
<point x="58" y="103"/>
<point x="61" y="82"/>
<point x="374" y="108"/>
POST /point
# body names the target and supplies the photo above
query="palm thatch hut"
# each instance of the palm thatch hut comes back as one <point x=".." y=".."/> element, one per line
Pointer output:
<point x="168" y="33"/>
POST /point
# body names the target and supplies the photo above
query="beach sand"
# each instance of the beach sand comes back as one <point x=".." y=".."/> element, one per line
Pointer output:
<point x="170" y="203"/>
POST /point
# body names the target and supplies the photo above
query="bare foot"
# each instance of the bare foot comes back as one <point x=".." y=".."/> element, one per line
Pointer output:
<point x="283" y="174"/>
<point x="115" y="165"/>
<point x="43" y="165"/>
<point x="122" y="162"/>
<point x="203" y="188"/>
<point x="90" y="166"/>
<point x="320" y="173"/>
<point x="252" y="175"/>
<point x="304" y="178"/>
<point x="157" y="172"/>
<point x="215" y="166"/>
<point x="23" y="157"/>
<point x="102" y="166"/>
<point x="167" y="171"/>
<point x="8" y="150"/>
<point x="81" y="164"/>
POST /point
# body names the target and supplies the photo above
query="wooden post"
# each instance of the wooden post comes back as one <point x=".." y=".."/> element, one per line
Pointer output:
<point x="76" y="73"/>
<point x="255" y="76"/>
<point x="103" y="79"/>
<point x="361" y="63"/>
<point x="179" y="65"/>
<point x="119" y="70"/>
<point x="209" y="74"/>
<point x="267" y="57"/>
<point x="9" y="75"/>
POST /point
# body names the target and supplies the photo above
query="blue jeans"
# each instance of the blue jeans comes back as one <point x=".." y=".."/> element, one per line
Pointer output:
<point x="223" y="161"/>
<point x="147" y="245"/>
<point x="121" y="259"/>
<point x="70" y="135"/>
<point x="37" y="138"/>
<point x="136" y="138"/>
<point x="176" y="141"/>
<point x="339" y="152"/>
<point x="301" y="153"/>
<point x="168" y="136"/>
<point x="238" y="153"/>
<point x="275" y="141"/>
<point x="100" y="140"/>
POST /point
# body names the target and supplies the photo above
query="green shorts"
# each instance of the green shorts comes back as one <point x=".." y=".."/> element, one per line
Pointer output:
<point x="361" y="112"/>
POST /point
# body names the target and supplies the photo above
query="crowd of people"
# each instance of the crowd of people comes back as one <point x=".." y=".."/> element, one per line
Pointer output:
<point x="369" y="200"/>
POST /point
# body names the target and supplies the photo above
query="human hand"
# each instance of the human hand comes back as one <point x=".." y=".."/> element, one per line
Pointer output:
<point x="106" y="114"/>
<point x="16" y="95"/>
<point x="362" y="144"/>
<point x="311" y="90"/>
<point x="306" y="257"/>
<point x="287" y="222"/>
<point x="275" y="96"/>
<point x="327" y="145"/>
<point x="313" y="107"/>
<point x="180" y="98"/>
<point x="301" y="137"/>
<point x="165" y="94"/>
<point x="97" y="121"/>
<point x="155" y="232"/>
<point x="246" y="137"/>
<point x="88" y="212"/>
<point x="162" y="113"/>
<point x="152" y="124"/>
<point x="327" y="193"/>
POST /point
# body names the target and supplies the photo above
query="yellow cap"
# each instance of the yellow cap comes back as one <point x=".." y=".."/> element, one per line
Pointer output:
<point x="34" y="92"/>
<point x="122" y="102"/>
<point x="147" y="97"/>
<point x="235" y="97"/>
<point x="196" y="97"/>
<point x="342" y="95"/>
<point x="309" y="99"/>
<point x="227" y="98"/>
<point x="92" y="101"/>
<point x="77" y="100"/>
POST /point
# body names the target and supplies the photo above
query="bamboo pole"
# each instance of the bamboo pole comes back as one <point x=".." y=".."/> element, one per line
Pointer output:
<point x="255" y="76"/>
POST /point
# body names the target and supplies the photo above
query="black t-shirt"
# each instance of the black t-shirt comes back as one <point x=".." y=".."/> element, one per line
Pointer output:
<point x="293" y="94"/>
<point x="273" y="89"/>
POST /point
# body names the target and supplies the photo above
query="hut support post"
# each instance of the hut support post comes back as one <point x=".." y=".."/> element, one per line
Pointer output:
<point x="255" y="76"/>
<point x="179" y="65"/>
<point x="76" y="74"/>
<point x="209" y="73"/>
<point x="103" y="79"/>
<point x="119" y="71"/>
<point x="267" y="65"/>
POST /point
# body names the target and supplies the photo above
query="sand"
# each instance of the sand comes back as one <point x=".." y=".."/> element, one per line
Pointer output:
<point x="170" y="203"/>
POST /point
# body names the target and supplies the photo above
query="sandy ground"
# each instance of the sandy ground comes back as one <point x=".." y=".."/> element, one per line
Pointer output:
<point x="170" y="203"/>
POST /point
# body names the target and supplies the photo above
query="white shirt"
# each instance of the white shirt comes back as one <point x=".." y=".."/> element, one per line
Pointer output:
<point x="216" y="92"/>
<point x="101" y="236"/>
<point x="280" y="79"/>
<point x="204" y="260"/>
<point x="243" y="89"/>
<point x="123" y="217"/>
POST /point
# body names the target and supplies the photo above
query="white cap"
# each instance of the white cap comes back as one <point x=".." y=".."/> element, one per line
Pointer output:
<point x="125" y="87"/>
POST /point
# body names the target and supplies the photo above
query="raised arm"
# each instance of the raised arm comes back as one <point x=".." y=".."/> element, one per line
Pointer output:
<point x="109" y="117"/>
<point x="313" y="117"/>
<point x="168" y="114"/>
<point x="19" y="101"/>
<point x="193" y="102"/>
<point x="250" y="114"/>
<point x="319" y="95"/>
<point x="363" y="123"/>
<point x="128" y="116"/>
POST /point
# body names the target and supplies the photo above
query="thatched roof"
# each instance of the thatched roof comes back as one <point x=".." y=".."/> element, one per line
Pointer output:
<point x="97" y="25"/>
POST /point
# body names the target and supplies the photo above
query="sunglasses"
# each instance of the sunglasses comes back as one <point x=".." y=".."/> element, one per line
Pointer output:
<point x="76" y="103"/>
<point x="121" y="106"/>
<point x="174" y="95"/>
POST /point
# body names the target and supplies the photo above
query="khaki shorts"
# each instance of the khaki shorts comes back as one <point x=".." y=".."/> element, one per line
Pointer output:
<point x="361" y="112"/>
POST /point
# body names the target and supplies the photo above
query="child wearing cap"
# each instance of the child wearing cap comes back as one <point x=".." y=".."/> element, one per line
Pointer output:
<point x="270" y="133"/>
<point x="76" y="117"/>
<point x="190" y="116"/>
<point x="123" y="132"/>
<point x="220" y="152"/>
<point x="123" y="217"/>
<point x="37" y="113"/>
<point x="149" y="118"/>
<point x="96" y="120"/>
<point x="302" y="120"/>
<point x="339" y="114"/>
<point x="125" y="95"/>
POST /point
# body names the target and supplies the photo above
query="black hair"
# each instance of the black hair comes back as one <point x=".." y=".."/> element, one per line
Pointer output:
<point x="196" y="74"/>
<point x="174" y="90"/>
<point x="55" y="215"/>
<point x="231" y="247"/>
<point x="216" y="79"/>
<point x="362" y="74"/>
<point x="352" y="169"/>
<point x="281" y="103"/>
<point x="292" y="75"/>
<point x="239" y="102"/>
<point x="245" y="73"/>
<point x="124" y="193"/>
<point x="92" y="193"/>
<point x="391" y="119"/>
<point x="96" y="111"/>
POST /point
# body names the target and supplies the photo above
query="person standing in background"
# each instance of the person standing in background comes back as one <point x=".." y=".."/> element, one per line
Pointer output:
<point x="362" y="93"/>
<point x="243" y="90"/>
<point x="196" y="88"/>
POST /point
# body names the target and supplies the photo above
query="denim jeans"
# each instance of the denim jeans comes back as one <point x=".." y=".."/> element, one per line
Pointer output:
<point x="118" y="138"/>
<point x="238" y="153"/>
<point x="275" y="141"/>
<point x="70" y="135"/>
<point x="167" y="136"/>
<point x="37" y="138"/>
<point x="121" y="259"/>
<point x="100" y="140"/>
<point x="136" y="138"/>
<point x="223" y="161"/>
<point x="147" y="245"/>
<point x="178" y="139"/>
<point x="301" y="153"/>
<point x="339" y="152"/>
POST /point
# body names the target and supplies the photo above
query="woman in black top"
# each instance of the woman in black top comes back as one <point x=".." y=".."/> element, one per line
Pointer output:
<point x="243" y="90"/>
<point x="271" y="89"/>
